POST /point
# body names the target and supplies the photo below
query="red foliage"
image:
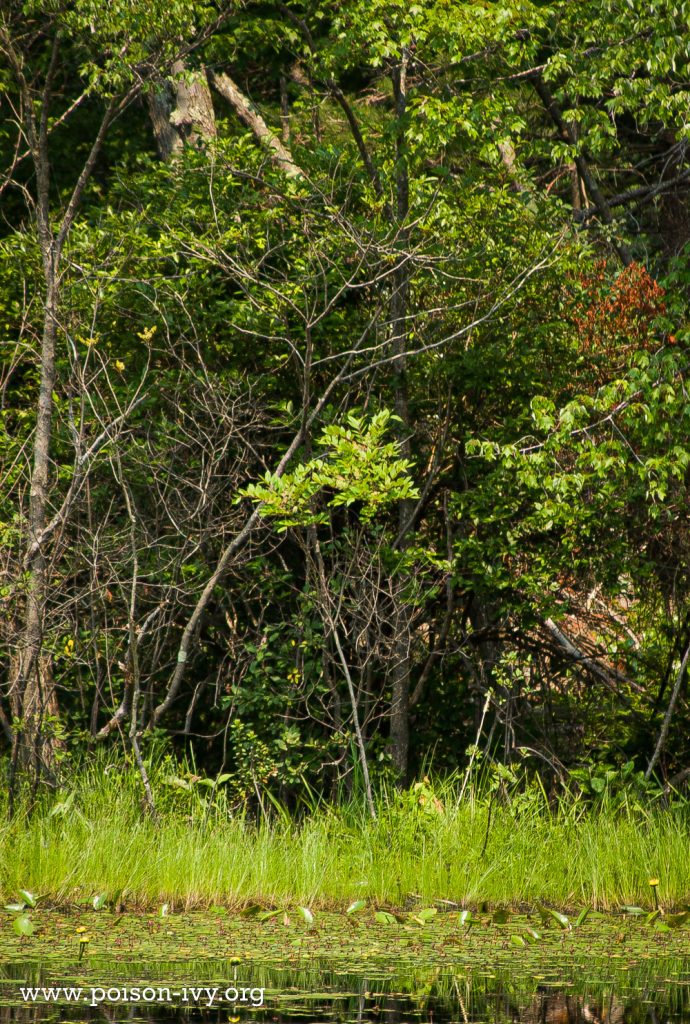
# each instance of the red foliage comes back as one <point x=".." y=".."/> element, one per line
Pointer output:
<point x="614" y="318"/>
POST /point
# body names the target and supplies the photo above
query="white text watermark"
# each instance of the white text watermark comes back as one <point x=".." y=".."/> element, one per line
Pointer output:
<point x="203" y="995"/>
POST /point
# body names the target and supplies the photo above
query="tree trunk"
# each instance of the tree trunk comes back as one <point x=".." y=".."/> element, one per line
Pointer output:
<point x="400" y="671"/>
<point x="181" y="111"/>
<point x="32" y="691"/>
<point x="250" y="116"/>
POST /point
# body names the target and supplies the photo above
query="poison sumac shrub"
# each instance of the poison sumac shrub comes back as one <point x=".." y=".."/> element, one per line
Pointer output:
<point x="614" y="318"/>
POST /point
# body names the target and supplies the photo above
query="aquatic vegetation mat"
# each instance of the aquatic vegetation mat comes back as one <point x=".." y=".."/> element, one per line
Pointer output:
<point x="423" y="953"/>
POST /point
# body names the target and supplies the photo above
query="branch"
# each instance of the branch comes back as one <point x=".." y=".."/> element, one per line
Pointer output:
<point x="666" y="724"/>
<point x="567" y="134"/>
<point x="360" y="143"/>
<point x="346" y="107"/>
<point x="78" y="191"/>
<point x="644" y="194"/>
<point x="250" y="116"/>
<point x="236" y="545"/>
<point x="608" y="418"/>
<point x="81" y="470"/>
<point x="8" y="177"/>
<point x="607" y="675"/>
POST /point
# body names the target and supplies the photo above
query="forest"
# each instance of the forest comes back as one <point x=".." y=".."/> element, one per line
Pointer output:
<point x="344" y="432"/>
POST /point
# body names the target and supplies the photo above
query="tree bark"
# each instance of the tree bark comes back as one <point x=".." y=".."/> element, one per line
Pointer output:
<point x="33" y="696"/>
<point x="250" y="116"/>
<point x="400" y="671"/>
<point x="666" y="724"/>
<point x="32" y="692"/>
<point x="181" y="111"/>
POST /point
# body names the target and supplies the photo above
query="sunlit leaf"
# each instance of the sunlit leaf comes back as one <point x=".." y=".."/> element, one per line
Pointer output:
<point x="582" y="916"/>
<point x="307" y="915"/>
<point x="547" y="914"/>
<point x="427" y="913"/>
<point x="383" y="917"/>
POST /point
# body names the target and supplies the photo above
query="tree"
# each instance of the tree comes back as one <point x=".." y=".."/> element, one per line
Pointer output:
<point x="456" y="217"/>
<point x="40" y="50"/>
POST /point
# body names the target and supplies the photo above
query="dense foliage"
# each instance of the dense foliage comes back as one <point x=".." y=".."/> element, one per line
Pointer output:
<point x="343" y="417"/>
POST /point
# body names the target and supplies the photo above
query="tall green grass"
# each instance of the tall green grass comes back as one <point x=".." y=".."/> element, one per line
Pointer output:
<point x="469" y="851"/>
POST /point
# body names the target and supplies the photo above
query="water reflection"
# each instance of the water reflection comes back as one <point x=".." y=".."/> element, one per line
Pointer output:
<point x="319" y="996"/>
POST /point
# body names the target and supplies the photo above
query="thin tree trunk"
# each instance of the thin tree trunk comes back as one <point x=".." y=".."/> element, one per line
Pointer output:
<point x="666" y="724"/>
<point x="400" y="671"/>
<point x="133" y="654"/>
<point x="32" y="692"/>
<point x="284" y="113"/>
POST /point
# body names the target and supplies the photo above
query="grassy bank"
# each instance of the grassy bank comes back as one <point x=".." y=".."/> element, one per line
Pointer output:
<point x="96" y="840"/>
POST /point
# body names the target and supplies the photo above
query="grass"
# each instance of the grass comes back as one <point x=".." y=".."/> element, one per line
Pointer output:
<point x="435" y="849"/>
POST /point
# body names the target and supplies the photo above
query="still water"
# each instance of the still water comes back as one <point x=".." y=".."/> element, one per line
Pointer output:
<point x="219" y="992"/>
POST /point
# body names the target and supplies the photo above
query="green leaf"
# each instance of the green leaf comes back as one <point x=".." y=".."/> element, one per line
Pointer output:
<point x="517" y="940"/>
<point x="28" y="897"/>
<point x="100" y="901"/>
<point x="356" y="906"/>
<point x="22" y="925"/>
<point x="427" y="914"/>
<point x="547" y="915"/>
<point x="677" y="920"/>
<point x="383" y="917"/>
<point x="582" y="916"/>
<point x="62" y="807"/>
<point x="267" y="915"/>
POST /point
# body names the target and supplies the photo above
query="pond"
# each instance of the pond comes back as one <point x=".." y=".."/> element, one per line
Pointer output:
<point x="496" y="967"/>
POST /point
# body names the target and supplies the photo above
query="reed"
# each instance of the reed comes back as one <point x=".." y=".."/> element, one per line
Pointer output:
<point x="425" y="842"/>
